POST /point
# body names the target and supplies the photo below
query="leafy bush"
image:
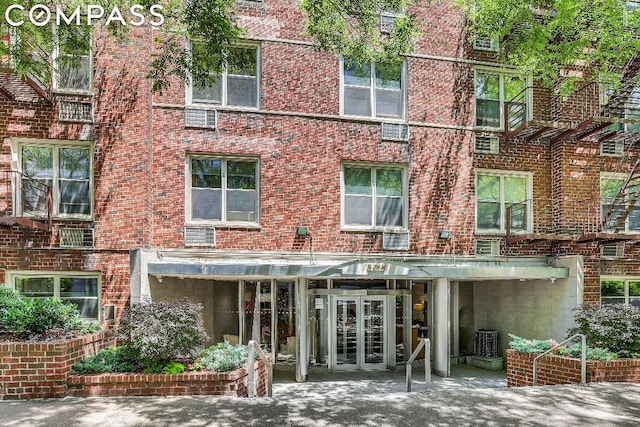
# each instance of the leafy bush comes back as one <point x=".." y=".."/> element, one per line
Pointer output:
<point x="173" y="368"/>
<point x="112" y="359"/>
<point x="523" y="345"/>
<point x="8" y="298"/>
<point x="223" y="357"/>
<point x="595" y="353"/>
<point x="161" y="332"/>
<point x="615" y="327"/>
<point x="36" y="315"/>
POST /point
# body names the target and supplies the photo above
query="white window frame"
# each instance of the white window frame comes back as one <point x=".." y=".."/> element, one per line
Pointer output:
<point x="17" y="145"/>
<point x="56" y="69"/>
<point x="222" y="222"/>
<point x="625" y="280"/>
<point x="528" y="176"/>
<point x="372" y="93"/>
<point x="11" y="276"/>
<point x="223" y="81"/>
<point x="618" y="177"/>
<point x="502" y="73"/>
<point x="405" y="197"/>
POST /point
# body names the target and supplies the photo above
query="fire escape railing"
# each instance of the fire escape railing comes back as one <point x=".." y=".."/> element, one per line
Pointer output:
<point x="25" y="200"/>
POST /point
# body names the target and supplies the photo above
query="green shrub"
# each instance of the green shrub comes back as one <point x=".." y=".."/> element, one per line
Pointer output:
<point x="596" y="353"/>
<point x="112" y="359"/>
<point x="223" y="357"/>
<point x="36" y="315"/>
<point x="161" y="332"/>
<point x="173" y="368"/>
<point x="615" y="327"/>
<point x="523" y="345"/>
<point x="8" y="298"/>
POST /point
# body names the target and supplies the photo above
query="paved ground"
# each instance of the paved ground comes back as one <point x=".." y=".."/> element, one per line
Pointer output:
<point x="472" y="397"/>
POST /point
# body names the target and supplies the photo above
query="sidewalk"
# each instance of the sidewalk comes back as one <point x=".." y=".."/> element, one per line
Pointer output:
<point x="472" y="397"/>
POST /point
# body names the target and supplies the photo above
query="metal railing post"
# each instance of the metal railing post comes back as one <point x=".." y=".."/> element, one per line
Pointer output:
<point x="252" y="348"/>
<point x="426" y="344"/>
<point x="583" y="359"/>
<point x="251" y="368"/>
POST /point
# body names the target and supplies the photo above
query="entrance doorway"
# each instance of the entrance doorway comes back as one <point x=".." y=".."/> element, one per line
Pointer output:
<point x="359" y="338"/>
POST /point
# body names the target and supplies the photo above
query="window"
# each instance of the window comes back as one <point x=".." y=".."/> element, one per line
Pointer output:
<point x="223" y="189"/>
<point x="630" y="113"/>
<point x="498" y="191"/>
<point x="80" y="289"/>
<point x="238" y="83"/>
<point x="72" y="60"/>
<point x="374" y="196"/>
<point x="67" y="169"/>
<point x="494" y="90"/>
<point x="610" y="186"/>
<point x="373" y="90"/>
<point x="620" y="292"/>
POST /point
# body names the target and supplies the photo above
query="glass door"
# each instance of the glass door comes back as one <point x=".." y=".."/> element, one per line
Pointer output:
<point x="359" y="334"/>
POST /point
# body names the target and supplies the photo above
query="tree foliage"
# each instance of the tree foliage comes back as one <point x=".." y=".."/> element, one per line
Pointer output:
<point x="547" y="38"/>
<point x="351" y="28"/>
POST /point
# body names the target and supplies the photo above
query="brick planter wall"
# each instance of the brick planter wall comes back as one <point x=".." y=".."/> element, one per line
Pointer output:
<point x="554" y="369"/>
<point x="39" y="370"/>
<point x="233" y="383"/>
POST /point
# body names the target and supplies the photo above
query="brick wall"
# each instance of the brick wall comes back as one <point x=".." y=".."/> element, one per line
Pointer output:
<point x="554" y="369"/>
<point x="233" y="383"/>
<point x="40" y="370"/>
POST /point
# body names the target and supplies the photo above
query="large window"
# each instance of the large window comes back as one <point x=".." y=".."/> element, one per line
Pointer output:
<point x="373" y="89"/>
<point x="374" y="196"/>
<point x="622" y="291"/>
<point x="610" y="186"/>
<point x="82" y="290"/>
<point x="72" y="59"/>
<point x="66" y="169"/>
<point x="223" y="189"/>
<point x="493" y="90"/>
<point x="498" y="191"/>
<point x="237" y="85"/>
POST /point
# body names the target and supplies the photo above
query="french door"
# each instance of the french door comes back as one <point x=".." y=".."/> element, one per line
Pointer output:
<point x="358" y="333"/>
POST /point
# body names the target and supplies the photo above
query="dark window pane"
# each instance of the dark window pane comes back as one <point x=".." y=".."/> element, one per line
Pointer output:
<point x="388" y="76"/>
<point x="357" y="181"/>
<point x="357" y="74"/>
<point x="206" y="173"/>
<point x="489" y="215"/>
<point x="242" y="91"/>
<point x="388" y="182"/>
<point x="75" y="163"/>
<point x="612" y="288"/>
<point x="37" y="162"/>
<point x="74" y="197"/>
<point x="211" y="93"/>
<point x="243" y="61"/>
<point x="487" y="113"/>
<point x="241" y="175"/>
<point x="35" y="286"/>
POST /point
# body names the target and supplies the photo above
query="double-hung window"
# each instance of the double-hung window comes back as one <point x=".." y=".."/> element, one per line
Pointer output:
<point x="610" y="186"/>
<point x="373" y="89"/>
<point x="499" y="191"/>
<point x="494" y="90"/>
<point x="72" y="59"/>
<point x="620" y="291"/>
<point x="223" y="190"/>
<point x="238" y="83"/>
<point x="65" y="167"/>
<point x="81" y="289"/>
<point x="374" y="196"/>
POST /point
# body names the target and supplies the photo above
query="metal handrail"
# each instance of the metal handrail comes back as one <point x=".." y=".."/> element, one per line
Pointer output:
<point x="583" y="359"/>
<point x="426" y="344"/>
<point x="251" y="367"/>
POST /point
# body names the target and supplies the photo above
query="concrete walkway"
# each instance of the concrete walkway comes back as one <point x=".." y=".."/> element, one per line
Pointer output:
<point x="471" y="397"/>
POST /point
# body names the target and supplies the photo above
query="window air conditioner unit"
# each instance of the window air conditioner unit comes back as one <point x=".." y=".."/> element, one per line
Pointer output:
<point x="200" y="236"/>
<point x="612" y="250"/>
<point x="485" y="43"/>
<point x="486" y="144"/>
<point x="612" y="148"/>
<point x="75" y="111"/>
<point x="75" y="237"/>
<point x="200" y="118"/>
<point x="395" y="241"/>
<point x="487" y="247"/>
<point x="395" y="132"/>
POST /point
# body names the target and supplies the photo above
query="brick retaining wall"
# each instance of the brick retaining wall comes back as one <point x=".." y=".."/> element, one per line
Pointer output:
<point x="39" y="370"/>
<point x="233" y="383"/>
<point x="555" y="369"/>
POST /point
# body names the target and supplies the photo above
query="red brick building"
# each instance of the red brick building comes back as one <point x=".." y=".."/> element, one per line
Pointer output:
<point x="330" y="209"/>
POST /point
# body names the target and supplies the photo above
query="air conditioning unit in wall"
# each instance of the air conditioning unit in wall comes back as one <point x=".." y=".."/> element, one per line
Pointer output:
<point x="486" y="144"/>
<point x="199" y="236"/>
<point x="487" y="247"/>
<point x="485" y="43"/>
<point x="612" y="250"/>
<point x="75" y="237"/>
<point x="395" y="241"/>
<point x="612" y="148"/>
<point x="75" y="111"/>
<point x="196" y="117"/>
<point x="395" y="132"/>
